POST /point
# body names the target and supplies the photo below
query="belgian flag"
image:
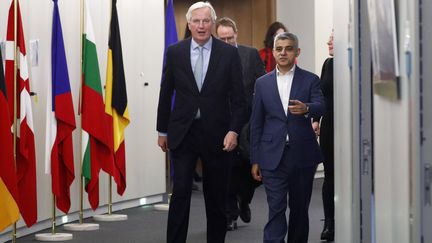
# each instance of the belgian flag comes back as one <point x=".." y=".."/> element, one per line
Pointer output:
<point x="116" y="99"/>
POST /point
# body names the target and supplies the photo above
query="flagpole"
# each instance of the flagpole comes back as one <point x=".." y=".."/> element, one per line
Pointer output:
<point x="110" y="216"/>
<point x="81" y="214"/>
<point x="110" y="177"/>
<point x="110" y="196"/>
<point x="53" y="236"/>
<point x="15" y="111"/>
<point x="53" y="215"/>
<point x="81" y="226"/>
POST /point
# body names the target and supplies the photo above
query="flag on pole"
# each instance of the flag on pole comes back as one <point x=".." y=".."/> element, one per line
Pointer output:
<point x="25" y="146"/>
<point x="170" y="27"/>
<point x="9" y="212"/>
<point x="116" y="99"/>
<point x="170" y="38"/>
<point x="170" y="32"/>
<point x="60" y="120"/>
<point x="97" y="146"/>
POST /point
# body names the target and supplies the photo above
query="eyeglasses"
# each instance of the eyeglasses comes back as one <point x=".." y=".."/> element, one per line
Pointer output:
<point x="201" y="21"/>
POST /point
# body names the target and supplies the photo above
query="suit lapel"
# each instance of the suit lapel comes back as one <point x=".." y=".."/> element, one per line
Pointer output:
<point x="274" y="93"/>
<point x="187" y="65"/>
<point x="296" y="83"/>
<point x="214" y="59"/>
<point x="243" y="56"/>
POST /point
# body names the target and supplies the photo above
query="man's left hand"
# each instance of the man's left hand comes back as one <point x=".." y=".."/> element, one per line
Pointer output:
<point x="230" y="141"/>
<point x="297" y="107"/>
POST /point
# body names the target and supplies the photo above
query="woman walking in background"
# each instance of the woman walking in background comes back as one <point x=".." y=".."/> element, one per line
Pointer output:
<point x="266" y="53"/>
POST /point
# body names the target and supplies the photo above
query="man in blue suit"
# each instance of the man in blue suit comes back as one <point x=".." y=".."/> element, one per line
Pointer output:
<point x="284" y="149"/>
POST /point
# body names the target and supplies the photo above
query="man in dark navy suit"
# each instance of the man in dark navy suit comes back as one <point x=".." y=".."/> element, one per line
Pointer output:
<point x="242" y="185"/>
<point x="206" y="118"/>
<point x="284" y="149"/>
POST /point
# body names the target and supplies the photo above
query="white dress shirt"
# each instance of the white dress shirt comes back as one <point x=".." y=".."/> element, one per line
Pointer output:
<point x="284" y="83"/>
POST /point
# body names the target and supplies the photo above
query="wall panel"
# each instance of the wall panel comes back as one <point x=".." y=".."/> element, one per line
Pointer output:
<point x="141" y="26"/>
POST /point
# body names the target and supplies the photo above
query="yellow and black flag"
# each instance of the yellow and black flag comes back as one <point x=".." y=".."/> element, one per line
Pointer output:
<point x="116" y="99"/>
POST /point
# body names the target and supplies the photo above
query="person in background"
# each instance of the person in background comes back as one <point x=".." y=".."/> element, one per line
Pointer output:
<point x="266" y="53"/>
<point x="204" y="122"/>
<point x="187" y="32"/>
<point x="242" y="185"/>
<point x="284" y="148"/>
<point x="326" y="139"/>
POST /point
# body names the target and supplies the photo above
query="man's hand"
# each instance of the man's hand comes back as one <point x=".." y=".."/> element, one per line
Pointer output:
<point x="256" y="172"/>
<point x="297" y="107"/>
<point x="163" y="143"/>
<point x="230" y="141"/>
<point x="316" y="128"/>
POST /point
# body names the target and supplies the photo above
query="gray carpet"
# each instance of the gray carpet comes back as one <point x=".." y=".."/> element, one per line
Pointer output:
<point x="149" y="226"/>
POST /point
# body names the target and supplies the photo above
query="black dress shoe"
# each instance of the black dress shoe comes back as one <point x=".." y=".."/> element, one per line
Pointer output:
<point x="328" y="231"/>
<point x="231" y="225"/>
<point x="245" y="212"/>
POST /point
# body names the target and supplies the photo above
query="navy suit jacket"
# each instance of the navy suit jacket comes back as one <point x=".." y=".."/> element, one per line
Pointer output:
<point x="270" y="125"/>
<point x="221" y="100"/>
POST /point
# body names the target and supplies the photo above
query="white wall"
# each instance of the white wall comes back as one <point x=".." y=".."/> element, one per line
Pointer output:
<point x="396" y="148"/>
<point x="141" y="26"/>
<point x="344" y="215"/>
<point x="298" y="17"/>
<point x="312" y="22"/>
<point x="395" y="134"/>
<point x="323" y="28"/>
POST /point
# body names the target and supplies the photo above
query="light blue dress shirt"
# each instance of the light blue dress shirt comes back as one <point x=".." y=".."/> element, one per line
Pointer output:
<point x="194" y="53"/>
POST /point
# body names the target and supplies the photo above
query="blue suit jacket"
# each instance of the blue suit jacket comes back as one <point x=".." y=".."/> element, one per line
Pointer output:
<point x="270" y="125"/>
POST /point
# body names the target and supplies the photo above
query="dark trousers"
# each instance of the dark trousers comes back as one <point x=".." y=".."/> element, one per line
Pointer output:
<point x="216" y="168"/>
<point x="327" y="148"/>
<point x="296" y="183"/>
<point x="241" y="187"/>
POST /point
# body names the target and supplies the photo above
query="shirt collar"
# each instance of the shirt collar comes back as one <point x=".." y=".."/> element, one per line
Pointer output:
<point x="206" y="46"/>
<point x="291" y="71"/>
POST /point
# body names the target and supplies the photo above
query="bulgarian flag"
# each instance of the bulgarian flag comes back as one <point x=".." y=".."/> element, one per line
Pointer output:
<point x="97" y="148"/>
<point x="116" y="99"/>
<point x="9" y="212"/>
<point x="25" y="146"/>
<point x="60" y="120"/>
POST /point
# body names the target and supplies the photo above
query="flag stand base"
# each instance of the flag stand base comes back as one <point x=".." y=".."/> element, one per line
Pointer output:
<point x="161" y="207"/>
<point x="53" y="237"/>
<point x="81" y="227"/>
<point x="110" y="217"/>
